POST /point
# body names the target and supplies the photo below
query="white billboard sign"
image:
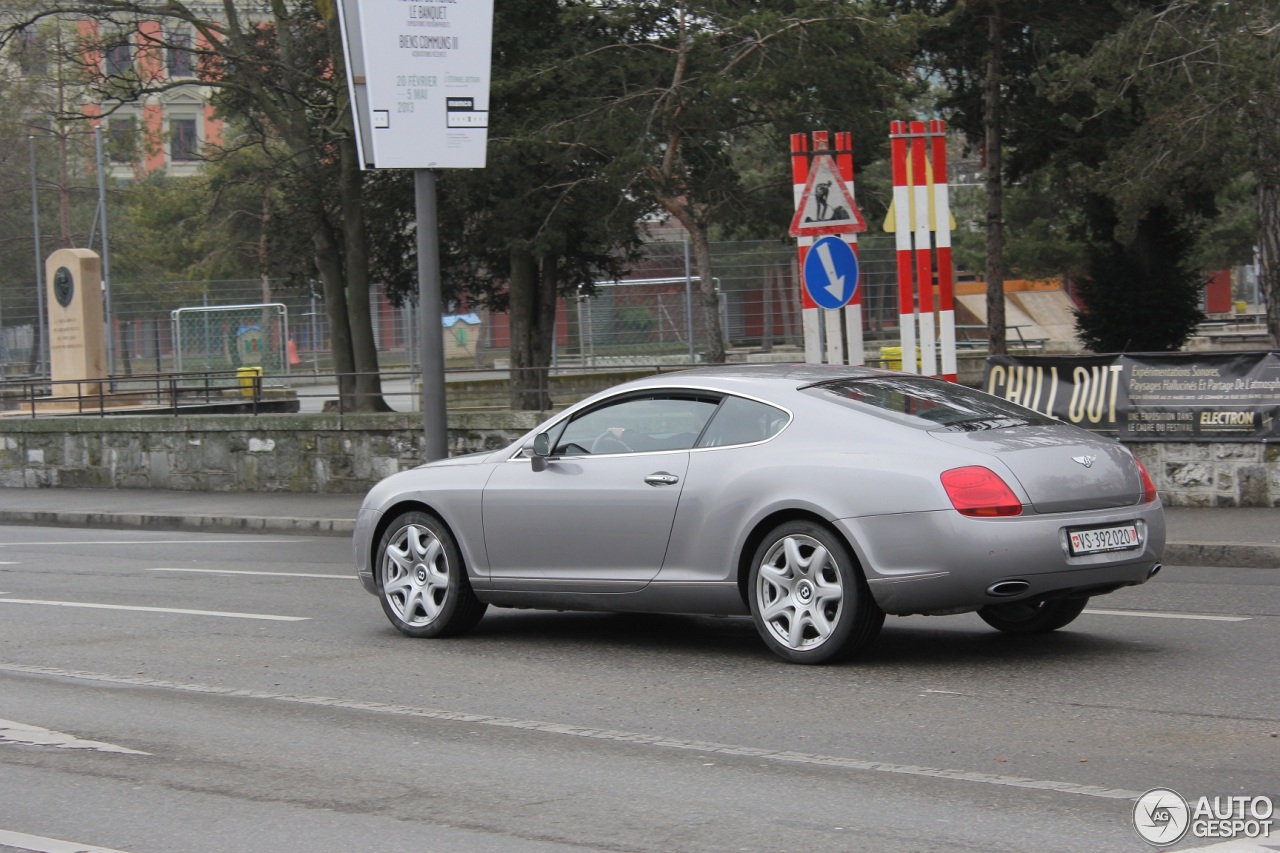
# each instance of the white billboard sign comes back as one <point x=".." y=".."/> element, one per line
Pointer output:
<point x="418" y="71"/>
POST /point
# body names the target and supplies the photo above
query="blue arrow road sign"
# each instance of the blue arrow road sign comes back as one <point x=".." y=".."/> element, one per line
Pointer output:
<point x="831" y="272"/>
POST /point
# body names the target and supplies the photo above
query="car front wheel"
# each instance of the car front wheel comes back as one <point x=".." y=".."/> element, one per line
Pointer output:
<point x="422" y="582"/>
<point x="1033" y="617"/>
<point x="808" y="599"/>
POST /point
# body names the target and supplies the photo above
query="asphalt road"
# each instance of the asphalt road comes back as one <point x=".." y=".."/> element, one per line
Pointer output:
<point x="240" y="692"/>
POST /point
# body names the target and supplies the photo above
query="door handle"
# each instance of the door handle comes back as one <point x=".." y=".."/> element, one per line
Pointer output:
<point x="662" y="478"/>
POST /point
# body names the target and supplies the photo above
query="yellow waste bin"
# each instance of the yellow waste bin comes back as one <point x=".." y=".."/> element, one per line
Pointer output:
<point x="891" y="358"/>
<point x="250" y="380"/>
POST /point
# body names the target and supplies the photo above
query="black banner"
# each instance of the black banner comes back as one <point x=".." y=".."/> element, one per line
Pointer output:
<point x="1149" y="396"/>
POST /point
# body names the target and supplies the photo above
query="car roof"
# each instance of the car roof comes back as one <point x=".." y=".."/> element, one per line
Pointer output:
<point x="743" y="377"/>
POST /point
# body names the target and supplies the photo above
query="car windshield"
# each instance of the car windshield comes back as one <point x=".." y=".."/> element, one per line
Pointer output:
<point x="929" y="403"/>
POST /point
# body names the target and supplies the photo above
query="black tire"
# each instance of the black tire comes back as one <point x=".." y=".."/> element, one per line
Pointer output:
<point x="422" y="580"/>
<point x="809" y="600"/>
<point x="1033" y="617"/>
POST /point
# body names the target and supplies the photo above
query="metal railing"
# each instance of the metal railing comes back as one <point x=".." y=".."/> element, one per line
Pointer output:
<point x="250" y="391"/>
<point x="155" y="393"/>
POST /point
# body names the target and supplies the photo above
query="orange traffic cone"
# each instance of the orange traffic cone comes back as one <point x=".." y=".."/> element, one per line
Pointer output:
<point x="294" y="361"/>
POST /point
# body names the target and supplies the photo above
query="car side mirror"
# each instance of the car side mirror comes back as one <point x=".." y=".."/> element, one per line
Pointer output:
<point x="541" y="450"/>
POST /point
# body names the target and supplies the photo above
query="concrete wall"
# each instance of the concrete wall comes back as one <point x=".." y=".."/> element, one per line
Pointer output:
<point x="348" y="454"/>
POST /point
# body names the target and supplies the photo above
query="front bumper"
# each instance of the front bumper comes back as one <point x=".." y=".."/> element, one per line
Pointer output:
<point x="362" y="545"/>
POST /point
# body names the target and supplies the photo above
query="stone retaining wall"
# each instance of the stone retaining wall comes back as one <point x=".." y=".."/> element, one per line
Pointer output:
<point x="1209" y="475"/>
<point x="267" y="453"/>
<point x="349" y="453"/>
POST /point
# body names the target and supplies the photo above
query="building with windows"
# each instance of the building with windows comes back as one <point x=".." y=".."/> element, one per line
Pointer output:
<point x="169" y="127"/>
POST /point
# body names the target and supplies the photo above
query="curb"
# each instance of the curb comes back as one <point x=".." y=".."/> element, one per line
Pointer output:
<point x="206" y="523"/>
<point x="1222" y="554"/>
<point x="1233" y="554"/>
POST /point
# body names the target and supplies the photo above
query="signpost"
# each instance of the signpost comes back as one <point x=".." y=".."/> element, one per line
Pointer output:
<point x="825" y="206"/>
<point x="826" y="203"/>
<point x="418" y="73"/>
<point x="831" y="273"/>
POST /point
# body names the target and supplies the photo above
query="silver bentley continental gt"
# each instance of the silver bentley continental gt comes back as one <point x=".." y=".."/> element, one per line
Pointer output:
<point x="815" y="498"/>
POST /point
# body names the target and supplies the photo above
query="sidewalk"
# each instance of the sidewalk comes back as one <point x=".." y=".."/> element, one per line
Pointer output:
<point x="1229" y="537"/>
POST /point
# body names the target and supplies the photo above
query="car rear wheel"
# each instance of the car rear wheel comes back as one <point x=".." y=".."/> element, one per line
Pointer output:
<point x="422" y="582"/>
<point x="1033" y="617"/>
<point x="808" y="599"/>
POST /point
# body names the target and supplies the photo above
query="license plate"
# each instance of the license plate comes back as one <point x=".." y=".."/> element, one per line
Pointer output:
<point x="1099" y="539"/>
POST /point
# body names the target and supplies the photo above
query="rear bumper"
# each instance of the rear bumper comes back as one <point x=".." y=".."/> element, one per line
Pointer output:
<point x="938" y="562"/>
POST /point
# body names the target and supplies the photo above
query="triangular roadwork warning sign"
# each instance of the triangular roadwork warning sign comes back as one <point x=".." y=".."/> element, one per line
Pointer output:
<point x="826" y="206"/>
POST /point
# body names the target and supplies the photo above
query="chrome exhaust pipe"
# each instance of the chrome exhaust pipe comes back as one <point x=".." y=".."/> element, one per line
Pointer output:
<point x="1155" y="570"/>
<point x="1004" y="589"/>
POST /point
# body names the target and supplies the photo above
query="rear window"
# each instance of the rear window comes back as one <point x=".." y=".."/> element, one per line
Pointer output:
<point x="742" y="421"/>
<point x="928" y="403"/>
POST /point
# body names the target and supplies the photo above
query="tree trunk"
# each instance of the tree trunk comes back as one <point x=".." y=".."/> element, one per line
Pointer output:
<point x="997" y="345"/>
<point x="1269" y="220"/>
<point x="1269" y="255"/>
<point x="364" y="348"/>
<point x="64" y="177"/>
<point x="530" y="343"/>
<point x="329" y="264"/>
<point x="545" y="337"/>
<point x="710" y="299"/>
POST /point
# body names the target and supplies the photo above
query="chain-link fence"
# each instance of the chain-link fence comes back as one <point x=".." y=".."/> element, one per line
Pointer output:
<point x="654" y="316"/>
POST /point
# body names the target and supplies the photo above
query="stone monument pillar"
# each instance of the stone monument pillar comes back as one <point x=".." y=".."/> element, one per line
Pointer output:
<point x="77" y="349"/>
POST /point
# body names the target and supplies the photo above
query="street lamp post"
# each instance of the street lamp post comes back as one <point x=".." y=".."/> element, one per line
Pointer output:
<point x="106" y="255"/>
<point x="40" y="327"/>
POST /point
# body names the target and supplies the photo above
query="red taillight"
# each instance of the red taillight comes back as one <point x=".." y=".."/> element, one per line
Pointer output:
<point x="1148" y="485"/>
<point x="979" y="492"/>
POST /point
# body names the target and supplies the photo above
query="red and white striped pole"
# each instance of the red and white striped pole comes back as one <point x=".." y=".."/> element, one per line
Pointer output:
<point x="853" y="311"/>
<point x="902" y="238"/>
<point x="946" y="286"/>
<point x="924" y="255"/>
<point x="809" y="310"/>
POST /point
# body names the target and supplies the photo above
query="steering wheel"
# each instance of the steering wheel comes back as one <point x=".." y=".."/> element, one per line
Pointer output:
<point x="607" y="442"/>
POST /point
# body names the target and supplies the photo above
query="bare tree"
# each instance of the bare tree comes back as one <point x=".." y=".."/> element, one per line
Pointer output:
<point x="275" y="67"/>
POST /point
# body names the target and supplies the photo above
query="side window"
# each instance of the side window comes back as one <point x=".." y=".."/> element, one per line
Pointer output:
<point x="119" y="59"/>
<point x="637" y="425"/>
<point x="742" y="421"/>
<point x="181" y="61"/>
<point x="183" y="145"/>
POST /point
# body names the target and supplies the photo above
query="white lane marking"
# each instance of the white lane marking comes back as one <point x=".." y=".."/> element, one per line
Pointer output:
<point x="230" y="615"/>
<point x="39" y="844"/>
<point x="238" y="541"/>
<point x="11" y="732"/>
<point x="264" y="574"/>
<point x="566" y="730"/>
<point x="1157" y="615"/>
<point x="9" y="563"/>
